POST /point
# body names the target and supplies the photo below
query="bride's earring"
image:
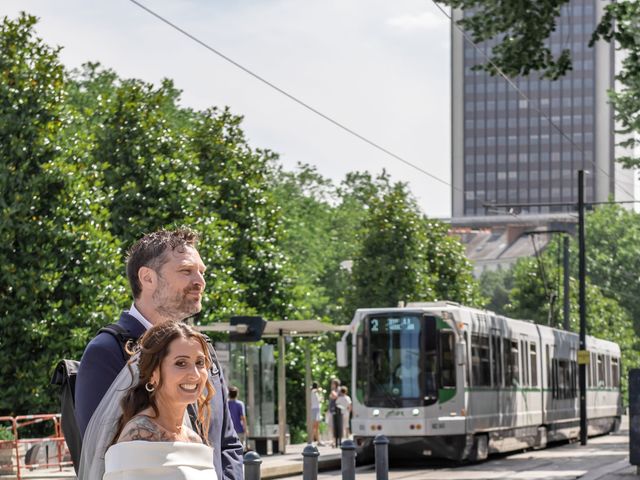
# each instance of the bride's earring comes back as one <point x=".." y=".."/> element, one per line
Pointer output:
<point x="149" y="387"/>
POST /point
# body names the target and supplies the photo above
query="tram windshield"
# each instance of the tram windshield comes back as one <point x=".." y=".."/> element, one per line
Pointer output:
<point x="401" y="360"/>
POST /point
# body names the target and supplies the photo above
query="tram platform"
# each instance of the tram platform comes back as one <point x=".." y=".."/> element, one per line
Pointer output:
<point x="273" y="466"/>
<point x="603" y="458"/>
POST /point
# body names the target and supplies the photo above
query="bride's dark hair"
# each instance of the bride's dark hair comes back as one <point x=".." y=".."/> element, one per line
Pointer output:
<point x="153" y="348"/>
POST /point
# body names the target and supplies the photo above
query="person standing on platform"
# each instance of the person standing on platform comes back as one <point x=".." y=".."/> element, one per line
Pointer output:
<point x="238" y="415"/>
<point x="335" y="414"/>
<point x="344" y="403"/>
<point x="315" y="414"/>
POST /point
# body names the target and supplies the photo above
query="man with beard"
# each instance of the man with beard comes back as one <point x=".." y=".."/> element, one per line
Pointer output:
<point x="166" y="275"/>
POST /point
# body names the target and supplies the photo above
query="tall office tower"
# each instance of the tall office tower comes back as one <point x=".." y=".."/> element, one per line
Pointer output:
<point x="505" y="150"/>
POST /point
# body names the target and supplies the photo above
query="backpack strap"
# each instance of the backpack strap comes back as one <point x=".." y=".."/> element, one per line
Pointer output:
<point x="122" y="335"/>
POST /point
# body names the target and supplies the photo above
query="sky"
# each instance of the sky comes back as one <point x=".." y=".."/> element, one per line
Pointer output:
<point x="380" y="68"/>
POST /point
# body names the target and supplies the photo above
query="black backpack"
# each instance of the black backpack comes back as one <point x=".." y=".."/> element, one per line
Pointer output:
<point x="65" y="376"/>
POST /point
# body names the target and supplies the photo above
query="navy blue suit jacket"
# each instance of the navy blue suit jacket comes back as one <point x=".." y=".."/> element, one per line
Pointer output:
<point x="102" y="361"/>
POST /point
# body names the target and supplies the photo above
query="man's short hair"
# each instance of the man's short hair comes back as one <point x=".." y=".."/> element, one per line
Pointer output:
<point x="151" y="251"/>
<point x="233" y="392"/>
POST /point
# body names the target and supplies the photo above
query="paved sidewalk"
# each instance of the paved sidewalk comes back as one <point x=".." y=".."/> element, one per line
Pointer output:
<point x="273" y="466"/>
<point x="603" y="458"/>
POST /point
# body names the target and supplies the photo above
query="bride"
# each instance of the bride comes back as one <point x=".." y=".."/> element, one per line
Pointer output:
<point x="153" y="437"/>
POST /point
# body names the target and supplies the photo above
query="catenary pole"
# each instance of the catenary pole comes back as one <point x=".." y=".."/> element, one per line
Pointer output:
<point x="583" y="309"/>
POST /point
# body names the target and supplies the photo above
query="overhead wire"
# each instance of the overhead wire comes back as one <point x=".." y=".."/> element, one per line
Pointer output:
<point x="353" y="132"/>
<point x="293" y="97"/>
<point x="523" y="95"/>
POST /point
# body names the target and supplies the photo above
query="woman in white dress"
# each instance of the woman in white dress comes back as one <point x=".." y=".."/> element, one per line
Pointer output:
<point x="152" y="439"/>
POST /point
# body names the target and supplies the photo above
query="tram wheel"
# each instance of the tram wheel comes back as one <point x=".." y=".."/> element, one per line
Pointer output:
<point x="541" y="439"/>
<point x="480" y="449"/>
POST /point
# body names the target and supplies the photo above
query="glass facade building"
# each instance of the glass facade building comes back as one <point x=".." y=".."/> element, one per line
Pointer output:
<point x="510" y="148"/>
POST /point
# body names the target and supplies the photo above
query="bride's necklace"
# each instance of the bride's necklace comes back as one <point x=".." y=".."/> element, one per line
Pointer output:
<point x="176" y="430"/>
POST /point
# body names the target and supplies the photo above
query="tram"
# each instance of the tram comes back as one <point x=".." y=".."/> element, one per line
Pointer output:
<point x="447" y="381"/>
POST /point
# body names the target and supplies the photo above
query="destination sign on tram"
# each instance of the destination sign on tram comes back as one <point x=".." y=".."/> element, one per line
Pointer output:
<point x="390" y="324"/>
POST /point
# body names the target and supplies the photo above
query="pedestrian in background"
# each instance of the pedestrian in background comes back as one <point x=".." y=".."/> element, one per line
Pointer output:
<point x="335" y="414"/>
<point x="344" y="404"/>
<point x="238" y="415"/>
<point x="315" y="414"/>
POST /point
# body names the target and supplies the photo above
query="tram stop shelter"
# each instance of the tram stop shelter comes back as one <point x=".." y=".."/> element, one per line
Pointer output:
<point x="281" y="329"/>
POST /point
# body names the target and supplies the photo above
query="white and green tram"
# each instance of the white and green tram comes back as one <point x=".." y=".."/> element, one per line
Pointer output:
<point x="448" y="381"/>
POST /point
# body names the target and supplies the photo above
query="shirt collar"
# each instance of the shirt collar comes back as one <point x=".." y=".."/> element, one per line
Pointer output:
<point x="133" y="311"/>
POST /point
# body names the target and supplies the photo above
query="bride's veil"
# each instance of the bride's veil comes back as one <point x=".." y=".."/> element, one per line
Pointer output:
<point x="102" y="427"/>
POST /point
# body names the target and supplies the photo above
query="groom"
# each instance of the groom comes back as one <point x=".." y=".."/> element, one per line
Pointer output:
<point x="166" y="275"/>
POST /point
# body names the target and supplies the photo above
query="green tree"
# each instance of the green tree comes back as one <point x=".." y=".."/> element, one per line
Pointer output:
<point x="405" y="257"/>
<point x="305" y="199"/>
<point x="495" y="286"/>
<point x="239" y="179"/>
<point x="57" y="258"/>
<point x="612" y="265"/>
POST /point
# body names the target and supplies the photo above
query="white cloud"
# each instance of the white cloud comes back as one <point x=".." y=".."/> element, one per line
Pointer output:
<point x="421" y="21"/>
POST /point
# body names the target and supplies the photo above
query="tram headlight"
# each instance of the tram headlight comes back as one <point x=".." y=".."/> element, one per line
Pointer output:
<point x="415" y="412"/>
<point x="376" y="412"/>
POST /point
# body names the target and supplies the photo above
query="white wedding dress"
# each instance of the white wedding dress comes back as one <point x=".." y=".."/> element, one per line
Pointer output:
<point x="141" y="460"/>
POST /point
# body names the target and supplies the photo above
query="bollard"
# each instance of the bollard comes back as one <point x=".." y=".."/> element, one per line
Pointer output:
<point x="252" y="463"/>
<point x="310" y="456"/>
<point x="348" y="460"/>
<point x="382" y="457"/>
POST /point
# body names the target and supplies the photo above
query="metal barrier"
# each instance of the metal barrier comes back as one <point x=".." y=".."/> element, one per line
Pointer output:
<point x="8" y="448"/>
<point x="28" y="451"/>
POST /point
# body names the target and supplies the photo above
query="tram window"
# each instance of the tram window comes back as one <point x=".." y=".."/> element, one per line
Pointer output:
<point x="496" y="361"/>
<point x="466" y="340"/>
<point x="511" y="371"/>
<point x="533" y="356"/>
<point x="524" y="355"/>
<point x="549" y="369"/>
<point x="601" y="376"/>
<point x="480" y="360"/>
<point x="447" y="359"/>
<point x="564" y="378"/>
<point x="615" y="372"/>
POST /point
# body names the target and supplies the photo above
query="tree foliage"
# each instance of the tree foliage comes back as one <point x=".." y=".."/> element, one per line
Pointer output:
<point x="406" y="257"/>
<point x="613" y="265"/>
<point x="520" y="30"/>
<point x="57" y="257"/>
<point x="495" y="287"/>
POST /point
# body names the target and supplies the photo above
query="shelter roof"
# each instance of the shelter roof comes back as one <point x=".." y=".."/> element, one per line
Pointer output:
<point x="294" y="328"/>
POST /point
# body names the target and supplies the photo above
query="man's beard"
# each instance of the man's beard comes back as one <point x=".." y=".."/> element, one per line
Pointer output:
<point x="176" y="307"/>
